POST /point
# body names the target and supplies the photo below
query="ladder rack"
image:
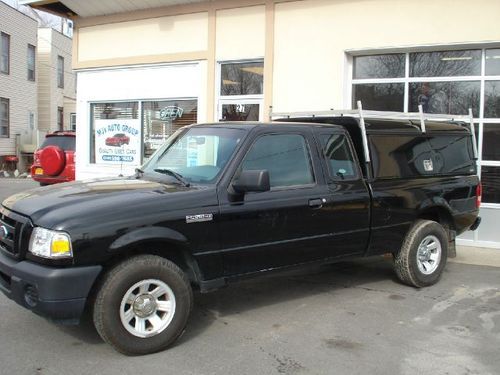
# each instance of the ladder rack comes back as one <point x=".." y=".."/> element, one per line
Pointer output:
<point x="364" y="114"/>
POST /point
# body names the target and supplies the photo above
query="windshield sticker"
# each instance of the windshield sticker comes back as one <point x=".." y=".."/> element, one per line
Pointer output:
<point x="428" y="167"/>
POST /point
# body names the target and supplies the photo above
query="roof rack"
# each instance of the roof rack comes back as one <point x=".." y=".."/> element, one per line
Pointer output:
<point x="364" y="114"/>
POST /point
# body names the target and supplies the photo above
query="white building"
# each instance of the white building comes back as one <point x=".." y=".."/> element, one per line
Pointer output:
<point x="56" y="84"/>
<point x="158" y="65"/>
<point x="18" y="84"/>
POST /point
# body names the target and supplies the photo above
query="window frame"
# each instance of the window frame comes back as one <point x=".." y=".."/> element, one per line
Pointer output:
<point x="60" y="71"/>
<point x="330" y="176"/>
<point x="7" y="36"/>
<point x="6" y="100"/>
<point x="237" y="99"/>
<point x="31" y="47"/>
<point x="479" y="120"/>
<point x="72" y="121"/>
<point x="306" y="139"/>
<point x="60" y="118"/>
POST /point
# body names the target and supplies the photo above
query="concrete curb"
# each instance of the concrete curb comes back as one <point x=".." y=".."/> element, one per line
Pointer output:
<point x="479" y="256"/>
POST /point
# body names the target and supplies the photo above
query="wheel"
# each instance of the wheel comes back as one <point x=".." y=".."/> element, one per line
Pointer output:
<point x="142" y="305"/>
<point x="422" y="258"/>
<point x="43" y="184"/>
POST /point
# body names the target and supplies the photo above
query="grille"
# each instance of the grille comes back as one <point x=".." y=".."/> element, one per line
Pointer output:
<point x="11" y="232"/>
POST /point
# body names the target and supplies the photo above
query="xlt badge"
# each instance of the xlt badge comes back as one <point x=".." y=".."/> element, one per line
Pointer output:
<point x="199" y="218"/>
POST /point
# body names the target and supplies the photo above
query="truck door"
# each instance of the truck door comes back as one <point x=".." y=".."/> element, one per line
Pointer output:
<point x="346" y="213"/>
<point x="283" y="226"/>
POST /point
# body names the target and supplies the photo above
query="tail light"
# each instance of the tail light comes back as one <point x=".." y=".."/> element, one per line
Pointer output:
<point x="479" y="192"/>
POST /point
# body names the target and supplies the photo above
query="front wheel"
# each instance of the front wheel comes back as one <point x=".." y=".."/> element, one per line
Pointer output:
<point x="422" y="258"/>
<point x="142" y="305"/>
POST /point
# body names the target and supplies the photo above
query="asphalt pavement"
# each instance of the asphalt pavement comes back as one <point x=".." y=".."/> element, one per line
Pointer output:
<point x="347" y="318"/>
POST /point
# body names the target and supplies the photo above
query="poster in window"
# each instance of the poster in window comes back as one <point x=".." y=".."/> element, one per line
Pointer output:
<point x="118" y="141"/>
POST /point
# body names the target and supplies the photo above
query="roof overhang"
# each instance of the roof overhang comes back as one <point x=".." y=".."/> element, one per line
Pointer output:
<point x="92" y="8"/>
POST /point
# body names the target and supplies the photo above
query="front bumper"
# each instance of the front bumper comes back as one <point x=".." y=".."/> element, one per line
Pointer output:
<point x="59" y="294"/>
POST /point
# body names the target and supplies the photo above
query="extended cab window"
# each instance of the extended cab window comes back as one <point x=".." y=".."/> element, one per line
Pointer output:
<point x="285" y="156"/>
<point x="338" y="155"/>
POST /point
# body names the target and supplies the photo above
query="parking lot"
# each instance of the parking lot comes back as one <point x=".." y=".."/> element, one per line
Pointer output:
<point x="347" y="318"/>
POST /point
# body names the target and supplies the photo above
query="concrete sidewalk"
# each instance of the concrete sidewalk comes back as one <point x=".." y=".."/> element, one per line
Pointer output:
<point x="479" y="256"/>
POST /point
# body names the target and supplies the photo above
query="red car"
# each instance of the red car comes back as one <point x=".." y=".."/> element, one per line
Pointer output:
<point x="117" y="140"/>
<point x="54" y="161"/>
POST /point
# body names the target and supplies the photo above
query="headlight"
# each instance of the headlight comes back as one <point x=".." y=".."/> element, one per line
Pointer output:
<point x="50" y="244"/>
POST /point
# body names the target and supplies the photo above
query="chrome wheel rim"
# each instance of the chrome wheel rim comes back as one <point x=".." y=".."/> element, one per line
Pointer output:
<point x="147" y="308"/>
<point x="429" y="255"/>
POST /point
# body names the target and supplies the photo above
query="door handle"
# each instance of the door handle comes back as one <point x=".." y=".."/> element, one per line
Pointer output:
<point x="316" y="203"/>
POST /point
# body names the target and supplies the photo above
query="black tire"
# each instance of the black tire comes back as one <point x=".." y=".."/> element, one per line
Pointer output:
<point x="112" y="289"/>
<point x="406" y="263"/>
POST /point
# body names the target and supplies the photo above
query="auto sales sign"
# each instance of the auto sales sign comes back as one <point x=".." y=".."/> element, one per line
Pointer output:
<point x="118" y="142"/>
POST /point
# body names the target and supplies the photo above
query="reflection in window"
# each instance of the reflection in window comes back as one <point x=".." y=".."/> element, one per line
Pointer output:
<point x="163" y="118"/>
<point x="31" y="62"/>
<point x="60" y="71"/>
<point x="493" y="62"/>
<point x="240" y="112"/>
<point x="4" y="117"/>
<point x="379" y="66"/>
<point x="198" y="154"/>
<point x="492" y="99"/>
<point x="242" y="78"/>
<point x="490" y="179"/>
<point x="285" y="157"/>
<point x="445" y="97"/>
<point x="491" y="140"/>
<point x="339" y="156"/>
<point x="445" y="64"/>
<point x="4" y="53"/>
<point x="380" y="96"/>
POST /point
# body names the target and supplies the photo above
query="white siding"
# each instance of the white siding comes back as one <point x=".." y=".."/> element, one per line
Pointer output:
<point x="51" y="45"/>
<point x="15" y="86"/>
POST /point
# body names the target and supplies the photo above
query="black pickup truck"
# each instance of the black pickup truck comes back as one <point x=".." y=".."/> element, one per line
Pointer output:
<point x="220" y="202"/>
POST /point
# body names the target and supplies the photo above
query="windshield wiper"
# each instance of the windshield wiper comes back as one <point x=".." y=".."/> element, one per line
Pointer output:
<point x="175" y="175"/>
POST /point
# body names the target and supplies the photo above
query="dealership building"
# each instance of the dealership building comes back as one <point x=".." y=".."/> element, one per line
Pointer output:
<point x="146" y="68"/>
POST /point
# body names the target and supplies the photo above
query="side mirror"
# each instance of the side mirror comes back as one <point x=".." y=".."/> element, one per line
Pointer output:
<point x="252" y="181"/>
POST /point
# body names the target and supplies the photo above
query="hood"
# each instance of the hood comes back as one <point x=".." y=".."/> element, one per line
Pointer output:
<point x="74" y="204"/>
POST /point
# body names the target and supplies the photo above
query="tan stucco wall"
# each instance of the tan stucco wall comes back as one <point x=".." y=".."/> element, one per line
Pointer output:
<point x="240" y="33"/>
<point x="306" y="46"/>
<point x="311" y="38"/>
<point x="153" y="36"/>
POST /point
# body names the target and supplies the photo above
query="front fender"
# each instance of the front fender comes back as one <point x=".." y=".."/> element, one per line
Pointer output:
<point x="148" y="234"/>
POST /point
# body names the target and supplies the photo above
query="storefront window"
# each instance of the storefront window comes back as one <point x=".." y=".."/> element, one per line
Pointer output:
<point x="160" y="119"/>
<point x="490" y="179"/>
<point x="445" y="97"/>
<point x="445" y="63"/>
<point x="115" y="133"/>
<point x="379" y="96"/>
<point x="245" y="78"/>
<point x="241" y="91"/>
<point x="491" y="140"/>
<point x="240" y="112"/>
<point x="379" y="66"/>
<point x="492" y="62"/>
<point x="492" y="99"/>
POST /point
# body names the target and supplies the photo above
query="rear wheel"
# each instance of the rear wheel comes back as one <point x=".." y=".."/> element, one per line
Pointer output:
<point x="423" y="255"/>
<point x="142" y="305"/>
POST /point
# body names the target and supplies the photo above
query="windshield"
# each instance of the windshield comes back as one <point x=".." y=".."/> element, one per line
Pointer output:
<point x="198" y="155"/>
<point x="66" y="143"/>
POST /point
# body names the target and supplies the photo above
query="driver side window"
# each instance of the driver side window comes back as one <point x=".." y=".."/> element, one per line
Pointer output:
<point x="285" y="156"/>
